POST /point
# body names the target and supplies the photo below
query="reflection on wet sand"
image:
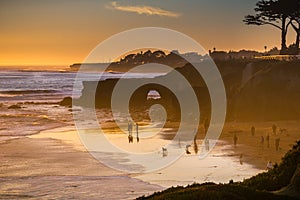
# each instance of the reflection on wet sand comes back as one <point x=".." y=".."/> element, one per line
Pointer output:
<point x="60" y="153"/>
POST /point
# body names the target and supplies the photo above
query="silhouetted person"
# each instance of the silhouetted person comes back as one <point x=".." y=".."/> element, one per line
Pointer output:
<point x="137" y="132"/>
<point x="252" y="130"/>
<point x="206" y="125"/>
<point x="130" y="138"/>
<point x="195" y="147"/>
<point x="268" y="140"/>
<point x="130" y="131"/>
<point x="241" y="159"/>
<point x="277" y="143"/>
<point x="130" y="127"/>
<point x="164" y="151"/>
<point x="206" y="144"/>
<point x="274" y="128"/>
<point x="235" y="139"/>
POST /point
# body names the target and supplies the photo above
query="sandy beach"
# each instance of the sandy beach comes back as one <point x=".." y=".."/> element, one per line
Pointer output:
<point x="36" y="168"/>
<point x="251" y="147"/>
<point x="52" y="156"/>
<point x="41" y="166"/>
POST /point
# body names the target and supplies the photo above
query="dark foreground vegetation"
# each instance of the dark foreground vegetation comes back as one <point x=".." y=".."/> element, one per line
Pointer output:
<point x="281" y="182"/>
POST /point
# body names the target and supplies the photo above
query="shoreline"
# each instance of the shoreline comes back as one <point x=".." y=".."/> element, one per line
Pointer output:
<point x="221" y="152"/>
<point x="58" y="152"/>
<point x="51" y="168"/>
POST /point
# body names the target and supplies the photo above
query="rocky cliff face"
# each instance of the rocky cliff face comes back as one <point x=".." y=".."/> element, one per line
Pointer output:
<point x="272" y="92"/>
<point x="256" y="90"/>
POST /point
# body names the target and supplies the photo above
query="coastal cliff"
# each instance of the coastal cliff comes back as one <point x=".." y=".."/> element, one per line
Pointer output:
<point x="258" y="90"/>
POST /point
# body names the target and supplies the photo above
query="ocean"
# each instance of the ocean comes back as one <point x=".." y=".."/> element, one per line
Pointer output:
<point x="48" y="85"/>
<point x="37" y="93"/>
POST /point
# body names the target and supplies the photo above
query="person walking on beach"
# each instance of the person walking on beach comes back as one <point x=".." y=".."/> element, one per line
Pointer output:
<point x="137" y="132"/>
<point x="235" y="138"/>
<point x="274" y="128"/>
<point x="195" y="146"/>
<point x="164" y="151"/>
<point x="241" y="159"/>
<point x="252" y="130"/>
<point x="130" y="138"/>
<point x="277" y="143"/>
<point x="206" y="144"/>
<point x="130" y="127"/>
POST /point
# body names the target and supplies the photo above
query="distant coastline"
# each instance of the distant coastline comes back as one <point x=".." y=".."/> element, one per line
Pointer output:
<point x="175" y="59"/>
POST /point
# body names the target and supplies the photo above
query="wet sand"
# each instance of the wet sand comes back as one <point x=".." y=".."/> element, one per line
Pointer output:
<point x="74" y="187"/>
<point x="54" y="163"/>
<point x="44" y="168"/>
<point x="59" y="152"/>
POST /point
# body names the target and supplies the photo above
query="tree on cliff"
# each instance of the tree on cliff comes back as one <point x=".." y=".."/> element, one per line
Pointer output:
<point x="295" y="17"/>
<point x="276" y="13"/>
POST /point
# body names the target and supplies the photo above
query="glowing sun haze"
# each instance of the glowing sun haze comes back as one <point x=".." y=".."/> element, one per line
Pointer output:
<point x="63" y="32"/>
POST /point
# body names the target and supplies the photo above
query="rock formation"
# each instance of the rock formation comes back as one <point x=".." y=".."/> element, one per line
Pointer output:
<point x="258" y="90"/>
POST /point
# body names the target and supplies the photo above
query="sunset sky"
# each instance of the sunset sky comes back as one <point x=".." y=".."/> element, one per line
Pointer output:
<point x="63" y="32"/>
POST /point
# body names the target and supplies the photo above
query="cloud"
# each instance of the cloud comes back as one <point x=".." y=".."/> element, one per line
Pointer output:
<point x="148" y="10"/>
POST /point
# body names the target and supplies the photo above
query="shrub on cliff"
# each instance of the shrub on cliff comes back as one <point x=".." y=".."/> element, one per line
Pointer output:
<point x="212" y="192"/>
<point x="280" y="175"/>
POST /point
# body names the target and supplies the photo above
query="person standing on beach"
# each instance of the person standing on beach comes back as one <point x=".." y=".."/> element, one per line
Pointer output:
<point x="164" y="151"/>
<point x="241" y="159"/>
<point x="195" y="146"/>
<point x="130" y="128"/>
<point x="130" y="138"/>
<point x="252" y="130"/>
<point x="206" y="144"/>
<point x="235" y="138"/>
<point x="137" y="132"/>
<point x="274" y="128"/>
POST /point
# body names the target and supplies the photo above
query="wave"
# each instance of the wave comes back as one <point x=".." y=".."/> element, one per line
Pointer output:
<point x="17" y="92"/>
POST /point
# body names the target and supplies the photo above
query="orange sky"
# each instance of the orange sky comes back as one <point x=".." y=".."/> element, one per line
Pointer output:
<point x="64" y="32"/>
